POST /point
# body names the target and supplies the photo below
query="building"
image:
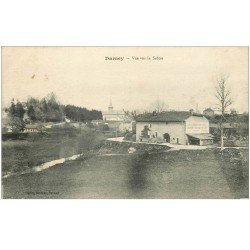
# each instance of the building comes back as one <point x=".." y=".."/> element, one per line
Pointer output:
<point x="208" y="112"/>
<point x="113" y="115"/>
<point x="34" y="128"/>
<point x="30" y="128"/>
<point x="177" y="127"/>
<point x="97" y="122"/>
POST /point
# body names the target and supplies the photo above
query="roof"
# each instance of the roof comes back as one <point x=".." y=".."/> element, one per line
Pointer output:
<point x="208" y="109"/>
<point x="171" y="116"/>
<point x="113" y="112"/>
<point x="217" y="125"/>
<point x="97" y="120"/>
<point x="205" y="136"/>
<point x="33" y="126"/>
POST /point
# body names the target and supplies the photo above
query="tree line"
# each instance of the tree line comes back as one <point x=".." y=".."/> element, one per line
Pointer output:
<point x="47" y="109"/>
<point x="81" y="114"/>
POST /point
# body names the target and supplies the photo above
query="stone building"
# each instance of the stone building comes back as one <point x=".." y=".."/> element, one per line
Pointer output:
<point x="208" y="112"/>
<point x="113" y="115"/>
<point x="176" y="127"/>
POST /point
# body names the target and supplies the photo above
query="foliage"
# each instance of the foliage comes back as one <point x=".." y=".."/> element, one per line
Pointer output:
<point x="17" y="124"/>
<point x="81" y="114"/>
<point x="48" y="109"/>
<point x="65" y="129"/>
<point x="144" y="132"/>
<point x="130" y="115"/>
<point x="19" y="110"/>
<point x="16" y="110"/>
<point x="15" y="115"/>
<point x="130" y="136"/>
<point x="38" y="148"/>
<point x="105" y="127"/>
<point x="89" y="139"/>
<point x="31" y="113"/>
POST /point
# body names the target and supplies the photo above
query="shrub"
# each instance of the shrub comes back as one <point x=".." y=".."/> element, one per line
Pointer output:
<point x="129" y="136"/>
<point x="89" y="139"/>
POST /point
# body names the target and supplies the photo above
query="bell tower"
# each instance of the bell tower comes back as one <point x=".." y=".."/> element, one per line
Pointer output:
<point x="110" y="105"/>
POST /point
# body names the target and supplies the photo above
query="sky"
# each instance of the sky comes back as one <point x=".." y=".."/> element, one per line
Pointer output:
<point x="184" y="79"/>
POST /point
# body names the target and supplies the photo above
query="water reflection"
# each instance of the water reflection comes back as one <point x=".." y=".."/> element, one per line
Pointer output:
<point x="138" y="173"/>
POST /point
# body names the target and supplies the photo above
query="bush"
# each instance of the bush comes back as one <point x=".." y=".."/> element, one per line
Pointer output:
<point x="65" y="129"/>
<point x="129" y="136"/>
<point x="14" y="136"/>
<point x="133" y="137"/>
<point x="89" y="139"/>
<point x="105" y="127"/>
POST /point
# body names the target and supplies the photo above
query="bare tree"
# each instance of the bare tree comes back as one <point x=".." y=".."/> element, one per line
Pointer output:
<point x="223" y="96"/>
<point x="130" y="114"/>
<point x="159" y="106"/>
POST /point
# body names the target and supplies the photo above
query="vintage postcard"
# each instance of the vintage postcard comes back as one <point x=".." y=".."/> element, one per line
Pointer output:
<point x="125" y="122"/>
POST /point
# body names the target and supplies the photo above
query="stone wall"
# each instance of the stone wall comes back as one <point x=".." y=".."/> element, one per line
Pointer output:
<point x="125" y="145"/>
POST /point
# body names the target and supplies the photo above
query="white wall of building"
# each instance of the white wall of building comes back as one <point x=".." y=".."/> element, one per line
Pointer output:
<point x="197" y="125"/>
<point x="112" y="116"/>
<point x="176" y="130"/>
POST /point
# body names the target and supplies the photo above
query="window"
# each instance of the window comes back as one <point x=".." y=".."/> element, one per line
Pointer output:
<point x="155" y="134"/>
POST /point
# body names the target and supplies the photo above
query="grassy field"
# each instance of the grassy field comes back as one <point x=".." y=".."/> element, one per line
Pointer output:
<point x="176" y="174"/>
<point x="19" y="155"/>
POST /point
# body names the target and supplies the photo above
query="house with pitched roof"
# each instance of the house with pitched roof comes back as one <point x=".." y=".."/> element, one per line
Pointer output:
<point x="113" y="115"/>
<point x="176" y="127"/>
<point x="208" y="112"/>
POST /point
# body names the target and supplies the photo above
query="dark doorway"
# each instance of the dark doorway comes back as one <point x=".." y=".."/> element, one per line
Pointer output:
<point x="194" y="141"/>
<point x="166" y="137"/>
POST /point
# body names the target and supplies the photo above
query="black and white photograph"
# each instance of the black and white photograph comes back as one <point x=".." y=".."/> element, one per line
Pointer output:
<point x="125" y="123"/>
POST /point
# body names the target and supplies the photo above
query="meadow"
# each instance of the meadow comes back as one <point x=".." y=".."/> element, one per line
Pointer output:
<point x="20" y="155"/>
<point x="189" y="174"/>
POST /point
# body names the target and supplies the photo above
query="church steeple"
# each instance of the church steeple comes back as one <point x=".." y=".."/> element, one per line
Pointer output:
<point x="110" y="105"/>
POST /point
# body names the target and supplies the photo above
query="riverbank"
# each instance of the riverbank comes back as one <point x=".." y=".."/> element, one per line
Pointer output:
<point x="151" y="171"/>
<point x="166" y="174"/>
<point x="118" y="169"/>
<point x="22" y="155"/>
